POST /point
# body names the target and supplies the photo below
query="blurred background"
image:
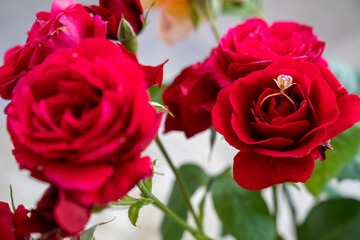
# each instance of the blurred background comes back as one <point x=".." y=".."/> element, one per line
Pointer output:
<point x="335" y="22"/>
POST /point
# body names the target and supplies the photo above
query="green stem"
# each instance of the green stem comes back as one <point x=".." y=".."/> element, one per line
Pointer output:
<point x="180" y="181"/>
<point x="197" y="234"/>
<point x="291" y="205"/>
<point x="12" y="199"/>
<point x="274" y="190"/>
<point x="214" y="30"/>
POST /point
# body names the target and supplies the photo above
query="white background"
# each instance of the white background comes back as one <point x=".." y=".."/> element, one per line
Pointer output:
<point x="336" y="22"/>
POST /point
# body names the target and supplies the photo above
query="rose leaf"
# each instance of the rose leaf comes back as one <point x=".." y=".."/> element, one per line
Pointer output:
<point x="194" y="177"/>
<point x="346" y="146"/>
<point x="333" y="219"/>
<point x="243" y="213"/>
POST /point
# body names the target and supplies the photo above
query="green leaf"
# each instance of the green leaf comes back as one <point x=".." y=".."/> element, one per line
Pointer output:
<point x="346" y="74"/>
<point x="334" y="219"/>
<point x="134" y="209"/>
<point x="88" y="234"/>
<point x="346" y="146"/>
<point x="160" y="107"/>
<point x="352" y="170"/>
<point x="133" y="213"/>
<point x="126" y="200"/>
<point x="156" y="93"/>
<point x="146" y="22"/>
<point x="243" y="213"/>
<point x="244" y="9"/>
<point x="194" y="177"/>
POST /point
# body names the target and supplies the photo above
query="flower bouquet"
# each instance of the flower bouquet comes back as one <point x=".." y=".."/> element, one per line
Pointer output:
<point x="82" y="111"/>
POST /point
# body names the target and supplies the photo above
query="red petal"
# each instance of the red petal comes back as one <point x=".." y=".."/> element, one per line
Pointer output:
<point x="71" y="216"/>
<point x="253" y="171"/>
<point x="154" y="75"/>
<point x="78" y="177"/>
<point x="349" y="106"/>
<point x="221" y="117"/>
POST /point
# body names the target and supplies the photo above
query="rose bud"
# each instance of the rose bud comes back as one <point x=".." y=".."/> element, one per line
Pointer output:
<point x="281" y="119"/>
<point x="131" y="10"/>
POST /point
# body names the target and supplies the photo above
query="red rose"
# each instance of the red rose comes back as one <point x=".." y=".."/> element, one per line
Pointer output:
<point x="78" y="121"/>
<point x="253" y="45"/>
<point x="57" y="215"/>
<point x="190" y="98"/>
<point x="66" y="25"/>
<point x="280" y="127"/>
<point x="12" y="224"/>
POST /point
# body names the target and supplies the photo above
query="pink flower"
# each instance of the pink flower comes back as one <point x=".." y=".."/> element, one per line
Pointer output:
<point x="81" y="119"/>
<point x="65" y="26"/>
<point x="253" y="45"/>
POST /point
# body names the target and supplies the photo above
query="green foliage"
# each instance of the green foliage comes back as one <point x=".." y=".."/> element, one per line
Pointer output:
<point x="194" y="177"/>
<point x="88" y="234"/>
<point x="244" y="9"/>
<point x="346" y="146"/>
<point x="156" y="93"/>
<point x="347" y="75"/>
<point x="334" y="219"/>
<point x="134" y="209"/>
<point x="352" y="170"/>
<point x="243" y="213"/>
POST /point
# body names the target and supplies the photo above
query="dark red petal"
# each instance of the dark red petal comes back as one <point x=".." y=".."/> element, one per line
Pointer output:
<point x="154" y="75"/>
<point x="300" y="149"/>
<point x="221" y="118"/>
<point x="256" y="140"/>
<point x="253" y="171"/>
<point x="292" y="130"/>
<point x="349" y="106"/>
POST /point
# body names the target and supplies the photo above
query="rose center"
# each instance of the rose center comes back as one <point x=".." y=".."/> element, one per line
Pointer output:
<point x="278" y="103"/>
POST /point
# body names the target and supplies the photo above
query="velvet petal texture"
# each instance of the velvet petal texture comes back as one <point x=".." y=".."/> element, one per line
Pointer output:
<point x="253" y="171"/>
<point x="190" y="98"/>
<point x="280" y="133"/>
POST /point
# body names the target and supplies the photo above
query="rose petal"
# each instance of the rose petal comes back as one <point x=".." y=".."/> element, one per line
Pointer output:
<point x="78" y="177"/>
<point x="349" y="106"/>
<point x="221" y="117"/>
<point x="71" y="216"/>
<point x="253" y="171"/>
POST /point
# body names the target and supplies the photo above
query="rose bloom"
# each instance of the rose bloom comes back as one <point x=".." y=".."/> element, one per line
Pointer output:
<point x="282" y="126"/>
<point x="253" y="45"/>
<point x="66" y="25"/>
<point x="190" y="98"/>
<point x="77" y="121"/>
<point x="12" y="225"/>
<point x="174" y="22"/>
